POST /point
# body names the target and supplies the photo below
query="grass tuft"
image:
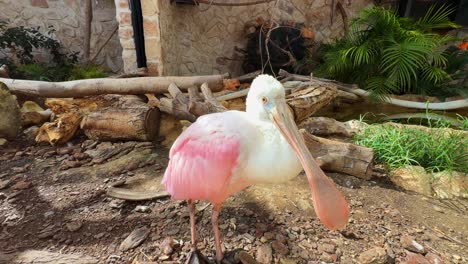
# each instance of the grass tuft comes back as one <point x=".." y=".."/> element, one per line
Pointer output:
<point x="398" y="147"/>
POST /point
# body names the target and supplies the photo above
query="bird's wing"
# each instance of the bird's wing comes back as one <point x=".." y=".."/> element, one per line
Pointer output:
<point x="202" y="161"/>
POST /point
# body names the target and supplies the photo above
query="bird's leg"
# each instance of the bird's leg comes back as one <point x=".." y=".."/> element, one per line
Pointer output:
<point x="214" y="220"/>
<point x="193" y="232"/>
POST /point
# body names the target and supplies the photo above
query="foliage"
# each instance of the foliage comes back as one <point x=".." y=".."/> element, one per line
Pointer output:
<point x="22" y="40"/>
<point x="52" y="73"/>
<point x="387" y="54"/>
<point x="397" y="147"/>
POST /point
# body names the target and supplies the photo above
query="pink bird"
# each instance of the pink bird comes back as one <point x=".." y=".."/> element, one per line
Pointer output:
<point x="223" y="153"/>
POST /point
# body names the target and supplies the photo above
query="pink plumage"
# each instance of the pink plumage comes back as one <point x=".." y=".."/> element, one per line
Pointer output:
<point x="201" y="162"/>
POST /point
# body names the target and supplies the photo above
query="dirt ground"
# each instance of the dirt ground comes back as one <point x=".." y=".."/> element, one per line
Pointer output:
<point x="54" y="199"/>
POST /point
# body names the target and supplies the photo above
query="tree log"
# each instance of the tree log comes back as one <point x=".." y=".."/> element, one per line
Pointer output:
<point x="10" y="116"/>
<point x="60" y="130"/>
<point x="129" y="119"/>
<point x="340" y="157"/>
<point x="81" y="88"/>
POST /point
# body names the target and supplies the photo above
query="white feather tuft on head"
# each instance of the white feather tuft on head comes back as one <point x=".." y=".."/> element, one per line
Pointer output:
<point x="263" y="86"/>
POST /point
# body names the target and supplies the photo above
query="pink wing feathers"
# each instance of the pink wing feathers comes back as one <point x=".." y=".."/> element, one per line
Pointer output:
<point x="201" y="163"/>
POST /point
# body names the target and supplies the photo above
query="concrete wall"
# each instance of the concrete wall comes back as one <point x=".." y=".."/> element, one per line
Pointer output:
<point x="67" y="17"/>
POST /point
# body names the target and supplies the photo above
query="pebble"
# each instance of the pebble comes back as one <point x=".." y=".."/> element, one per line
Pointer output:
<point x="167" y="245"/>
<point x="328" y="248"/>
<point x="4" y="184"/>
<point x="438" y="209"/>
<point x="49" y="214"/>
<point x="264" y="254"/>
<point x="21" y="185"/>
<point x="279" y="247"/>
<point x="74" y="226"/>
<point x="433" y="258"/>
<point x="410" y="244"/>
<point x="415" y="258"/>
<point x="116" y="204"/>
<point x="135" y="238"/>
<point x="373" y="255"/>
<point x="142" y="209"/>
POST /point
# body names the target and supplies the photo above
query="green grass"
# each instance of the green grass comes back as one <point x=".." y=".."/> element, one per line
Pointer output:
<point x="398" y="147"/>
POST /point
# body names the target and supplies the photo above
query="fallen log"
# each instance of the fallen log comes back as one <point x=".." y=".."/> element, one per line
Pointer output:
<point x="341" y="157"/>
<point x="81" y="88"/>
<point x="60" y="130"/>
<point x="128" y="119"/>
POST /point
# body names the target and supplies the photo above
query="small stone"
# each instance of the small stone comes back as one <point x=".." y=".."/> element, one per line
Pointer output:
<point x="409" y="243"/>
<point x="328" y="248"/>
<point x="135" y="238"/>
<point x="327" y="257"/>
<point x="2" y="195"/>
<point x="74" y="226"/>
<point x="48" y="214"/>
<point x="99" y="236"/>
<point x="438" y="209"/>
<point x="279" y="247"/>
<point x="376" y="255"/>
<point x="269" y="235"/>
<point x="21" y="185"/>
<point x="264" y="254"/>
<point x="4" y="184"/>
<point x="116" y="204"/>
<point x="167" y="246"/>
<point x="142" y="209"/>
<point x="433" y="258"/>
<point x="261" y="227"/>
<point x="413" y="258"/>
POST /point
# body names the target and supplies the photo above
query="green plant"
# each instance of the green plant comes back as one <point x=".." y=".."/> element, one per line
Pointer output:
<point x="387" y="54"/>
<point x="20" y="41"/>
<point x="54" y="73"/>
<point x="397" y="147"/>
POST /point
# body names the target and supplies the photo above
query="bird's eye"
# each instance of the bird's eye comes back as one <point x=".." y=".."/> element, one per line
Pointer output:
<point x="264" y="100"/>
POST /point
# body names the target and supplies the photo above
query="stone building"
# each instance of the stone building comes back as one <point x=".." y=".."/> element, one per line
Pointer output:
<point x="67" y="18"/>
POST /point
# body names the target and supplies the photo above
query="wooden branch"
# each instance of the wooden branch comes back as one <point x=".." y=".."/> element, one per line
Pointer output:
<point x="81" y="88"/>
<point x="351" y="88"/>
<point x="344" y="16"/>
<point x="61" y="129"/>
<point x="340" y="157"/>
<point x="88" y="9"/>
<point x="105" y="43"/>
<point x="249" y="76"/>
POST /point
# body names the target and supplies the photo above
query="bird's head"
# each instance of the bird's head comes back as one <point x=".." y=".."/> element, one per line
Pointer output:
<point x="266" y="100"/>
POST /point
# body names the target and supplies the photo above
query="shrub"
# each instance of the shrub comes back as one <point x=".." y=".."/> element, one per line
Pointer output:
<point x="387" y="54"/>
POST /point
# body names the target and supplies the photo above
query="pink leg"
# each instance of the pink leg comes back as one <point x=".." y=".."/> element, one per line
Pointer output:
<point x="214" y="220"/>
<point x="193" y="232"/>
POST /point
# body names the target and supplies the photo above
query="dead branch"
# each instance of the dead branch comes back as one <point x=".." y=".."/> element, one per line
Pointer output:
<point x="104" y="43"/>
<point x="88" y="9"/>
<point x="344" y="16"/>
<point x="81" y="88"/>
<point x="209" y="2"/>
<point x="340" y="157"/>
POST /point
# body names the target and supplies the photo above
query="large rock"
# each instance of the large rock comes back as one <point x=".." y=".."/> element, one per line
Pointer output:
<point x="448" y="185"/>
<point x="413" y="178"/>
<point x="10" y="116"/>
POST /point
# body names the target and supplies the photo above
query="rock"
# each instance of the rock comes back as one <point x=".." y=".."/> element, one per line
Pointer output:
<point x="376" y="255"/>
<point x="244" y="258"/>
<point x="279" y="247"/>
<point x="66" y="164"/>
<point x="48" y="214"/>
<point x="116" y="204"/>
<point x="264" y="254"/>
<point x="4" y="184"/>
<point x="2" y="196"/>
<point x="167" y="246"/>
<point x="100" y="235"/>
<point x="410" y="244"/>
<point x="30" y="133"/>
<point x="3" y="141"/>
<point x="413" y="258"/>
<point x="21" y="185"/>
<point x="47" y="232"/>
<point x="328" y="248"/>
<point x="287" y="261"/>
<point x="74" y="226"/>
<point x="448" y="185"/>
<point x="142" y="209"/>
<point x="438" y="209"/>
<point x="433" y="258"/>
<point x="412" y="178"/>
<point x="10" y="119"/>
<point x="135" y="238"/>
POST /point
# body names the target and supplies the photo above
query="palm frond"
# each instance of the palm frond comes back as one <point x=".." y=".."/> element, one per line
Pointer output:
<point x="437" y="18"/>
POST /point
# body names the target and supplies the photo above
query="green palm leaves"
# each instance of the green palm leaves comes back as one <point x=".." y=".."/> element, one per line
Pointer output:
<point x="386" y="54"/>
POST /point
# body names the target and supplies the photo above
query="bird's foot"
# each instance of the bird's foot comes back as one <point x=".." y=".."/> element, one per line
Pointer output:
<point x="196" y="257"/>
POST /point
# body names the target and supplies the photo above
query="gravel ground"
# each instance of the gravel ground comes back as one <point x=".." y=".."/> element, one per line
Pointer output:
<point x="54" y="199"/>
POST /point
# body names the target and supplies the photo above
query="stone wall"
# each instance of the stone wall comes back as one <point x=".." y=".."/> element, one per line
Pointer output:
<point x="202" y="39"/>
<point x="67" y="17"/>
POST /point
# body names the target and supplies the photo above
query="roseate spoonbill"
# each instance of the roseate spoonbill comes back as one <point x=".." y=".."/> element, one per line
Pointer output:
<point x="223" y="153"/>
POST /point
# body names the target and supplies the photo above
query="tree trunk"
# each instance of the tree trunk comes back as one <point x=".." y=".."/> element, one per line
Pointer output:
<point x="82" y="88"/>
<point x="340" y="157"/>
<point x="124" y="118"/>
